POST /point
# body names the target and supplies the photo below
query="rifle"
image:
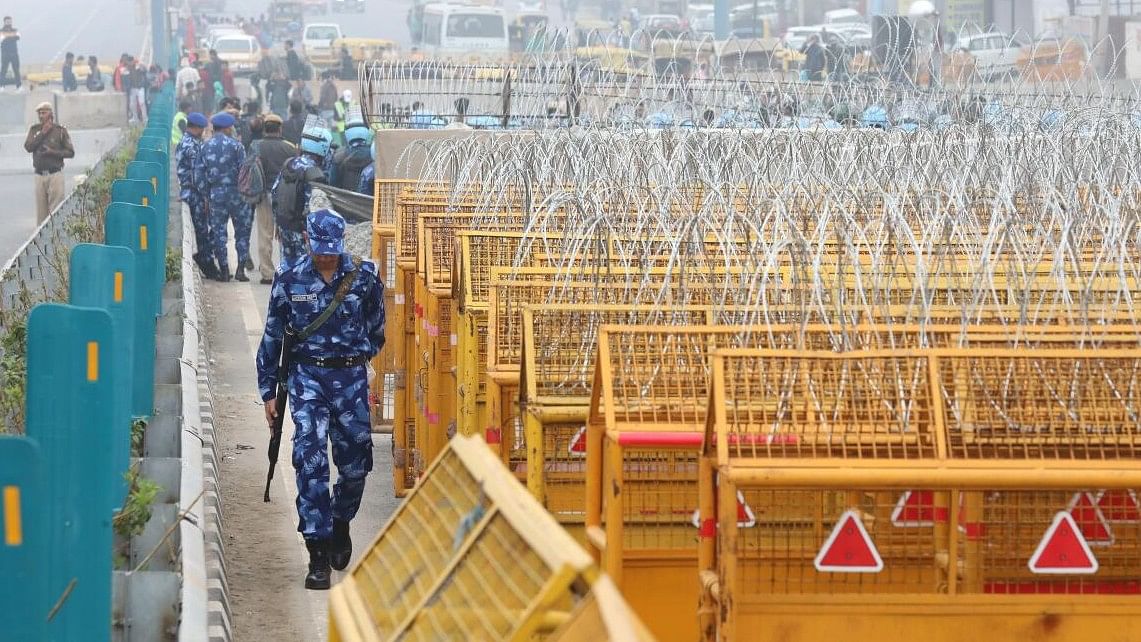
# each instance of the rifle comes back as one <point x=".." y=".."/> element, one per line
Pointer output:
<point x="288" y="340"/>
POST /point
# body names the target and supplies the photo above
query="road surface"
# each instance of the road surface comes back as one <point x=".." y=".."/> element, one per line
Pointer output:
<point x="51" y="28"/>
<point x="16" y="180"/>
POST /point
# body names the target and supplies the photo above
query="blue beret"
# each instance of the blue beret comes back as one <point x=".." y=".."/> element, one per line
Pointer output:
<point x="196" y="119"/>
<point x="222" y="120"/>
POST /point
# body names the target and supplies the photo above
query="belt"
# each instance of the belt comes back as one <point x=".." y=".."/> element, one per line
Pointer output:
<point x="334" y="362"/>
<point x="47" y="172"/>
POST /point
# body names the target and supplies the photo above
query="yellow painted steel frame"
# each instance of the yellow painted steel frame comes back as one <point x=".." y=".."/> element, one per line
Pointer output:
<point x="603" y="615"/>
<point x="502" y="570"/>
<point x="952" y="605"/>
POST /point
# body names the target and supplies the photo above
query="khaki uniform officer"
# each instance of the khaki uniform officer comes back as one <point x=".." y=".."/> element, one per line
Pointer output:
<point x="49" y="144"/>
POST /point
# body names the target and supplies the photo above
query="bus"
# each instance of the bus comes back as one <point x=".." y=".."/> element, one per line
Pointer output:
<point x="464" y="31"/>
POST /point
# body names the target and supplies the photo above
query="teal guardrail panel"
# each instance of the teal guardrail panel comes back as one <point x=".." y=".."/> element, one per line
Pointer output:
<point x="23" y="539"/>
<point x="141" y="192"/>
<point x="70" y="381"/>
<point x="154" y="142"/>
<point x="126" y="226"/>
<point x="103" y="277"/>
<point x="158" y="176"/>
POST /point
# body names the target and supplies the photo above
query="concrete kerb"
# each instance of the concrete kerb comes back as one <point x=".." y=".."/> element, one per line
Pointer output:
<point x="205" y="599"/>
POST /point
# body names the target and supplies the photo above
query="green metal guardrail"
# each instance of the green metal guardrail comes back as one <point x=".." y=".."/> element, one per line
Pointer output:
<point x="90" y="369"/>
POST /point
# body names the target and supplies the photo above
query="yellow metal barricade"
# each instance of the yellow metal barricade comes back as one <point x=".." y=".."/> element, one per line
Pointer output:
<point x="943" y="493"/>
<point x="469" y="555"/>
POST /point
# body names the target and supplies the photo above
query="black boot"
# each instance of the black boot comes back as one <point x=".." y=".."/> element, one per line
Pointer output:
<point x="209" y="270"/>
<point x="341" y="546"/>
<point x="223" y="273"/>
<point x="240" y="274"/>
<point x="318" y="577"/>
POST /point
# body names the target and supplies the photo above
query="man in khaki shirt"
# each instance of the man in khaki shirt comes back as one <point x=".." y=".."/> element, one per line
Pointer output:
<point x="49" y="144"/>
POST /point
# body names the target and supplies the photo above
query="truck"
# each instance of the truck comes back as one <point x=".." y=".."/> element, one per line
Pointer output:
<point x="347" y="6"/>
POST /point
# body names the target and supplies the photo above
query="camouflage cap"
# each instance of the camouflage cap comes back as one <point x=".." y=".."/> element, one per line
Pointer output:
<point x="326" y="230"/>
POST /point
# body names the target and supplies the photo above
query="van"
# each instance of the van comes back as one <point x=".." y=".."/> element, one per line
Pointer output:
<point x="842" y="16"/>
<point x="468" y="32"/>
<point x="317" y="42"/>
<point x="241" y="51"/>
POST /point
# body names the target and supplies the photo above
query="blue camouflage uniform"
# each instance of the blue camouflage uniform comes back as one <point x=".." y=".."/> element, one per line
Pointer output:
<point x="292" y="242"/>
<point x="325" y="403"/>
<point x="368" y="177"/>
<point x="217" y="166"/>
<point x="189" y="192"/>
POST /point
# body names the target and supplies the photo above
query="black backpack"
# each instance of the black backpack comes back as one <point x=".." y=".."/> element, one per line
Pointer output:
<point x="289" y="196"/>
<point x="354" y="162"/>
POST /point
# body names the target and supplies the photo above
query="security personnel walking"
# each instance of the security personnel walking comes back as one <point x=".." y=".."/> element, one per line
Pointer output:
<point x="273" y="152"/>
<point x="291" y="191"/>
<point x="49" y="144"/>
<point x="350" y="161"/>
<point x="190" y="193"/>
<point x="328" y="383"/>
<point x="216" y="172"/>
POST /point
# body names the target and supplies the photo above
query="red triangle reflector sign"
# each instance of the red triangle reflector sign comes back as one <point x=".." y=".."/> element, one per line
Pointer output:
<point x="1120" y="506"/>
<point x="915" y="508"/>
<point x="1063" y="550"/>
<point x="849" y="548"/>
<point x="1090" y="520"/>
<point x="745" y="516"/>
<point x="577" y="445"/>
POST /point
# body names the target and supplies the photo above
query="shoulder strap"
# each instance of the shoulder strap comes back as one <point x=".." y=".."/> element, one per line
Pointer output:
<point x="342" y="291"/>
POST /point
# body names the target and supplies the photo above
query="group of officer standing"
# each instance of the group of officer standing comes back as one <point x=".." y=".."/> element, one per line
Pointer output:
<point x="208" y="171"/>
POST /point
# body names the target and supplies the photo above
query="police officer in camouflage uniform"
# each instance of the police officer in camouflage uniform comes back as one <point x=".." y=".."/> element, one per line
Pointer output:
<point x="185" y="155"/>
<point x="328" y="384"/>
<point x="217" y="170"/>
<point x="304" y="170"/>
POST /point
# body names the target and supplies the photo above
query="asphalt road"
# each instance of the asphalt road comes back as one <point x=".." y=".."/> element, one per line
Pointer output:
<point x="51" y="28"/>
<point x="16" y="181"/>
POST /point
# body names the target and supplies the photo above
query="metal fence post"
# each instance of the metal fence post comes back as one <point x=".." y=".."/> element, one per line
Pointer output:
<point x="103" y="277"/>
<point x="130" y="226"/>
<point x="70" y="410"/>
<point x="23" y="538"/>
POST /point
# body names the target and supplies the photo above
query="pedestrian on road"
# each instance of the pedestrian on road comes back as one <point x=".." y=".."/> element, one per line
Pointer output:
<point x="186" y="74"/>
<point x="327" y="383"/>
<point x="49" y="144"/>
<point x="273" y="153"/>
<point x="10" y="53"/>
<point x="340" y="115"/>
<point x="293" y="64"/>
<point x="291" y="192"/>
<point x="67" y="74"/>
<point x="216" y="172"/>
<point x="121" y="79"/>
<point x="228" y="80"/>
<point x="814" y="59"/>
<point x="277" y="89"/>
<point x="327" y="98"/>
<point x="94" y="75"/>
<point x="293" y="127"/>
<point x="191" y="192"/>
<point x="137" y="81"/>
<point x="178" y="125"/>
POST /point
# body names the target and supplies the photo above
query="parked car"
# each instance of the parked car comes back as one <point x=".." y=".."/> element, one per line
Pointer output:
<point x="995" y="54"/>
<point x="663" y="22"/>
<point x="241" y="51"/>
